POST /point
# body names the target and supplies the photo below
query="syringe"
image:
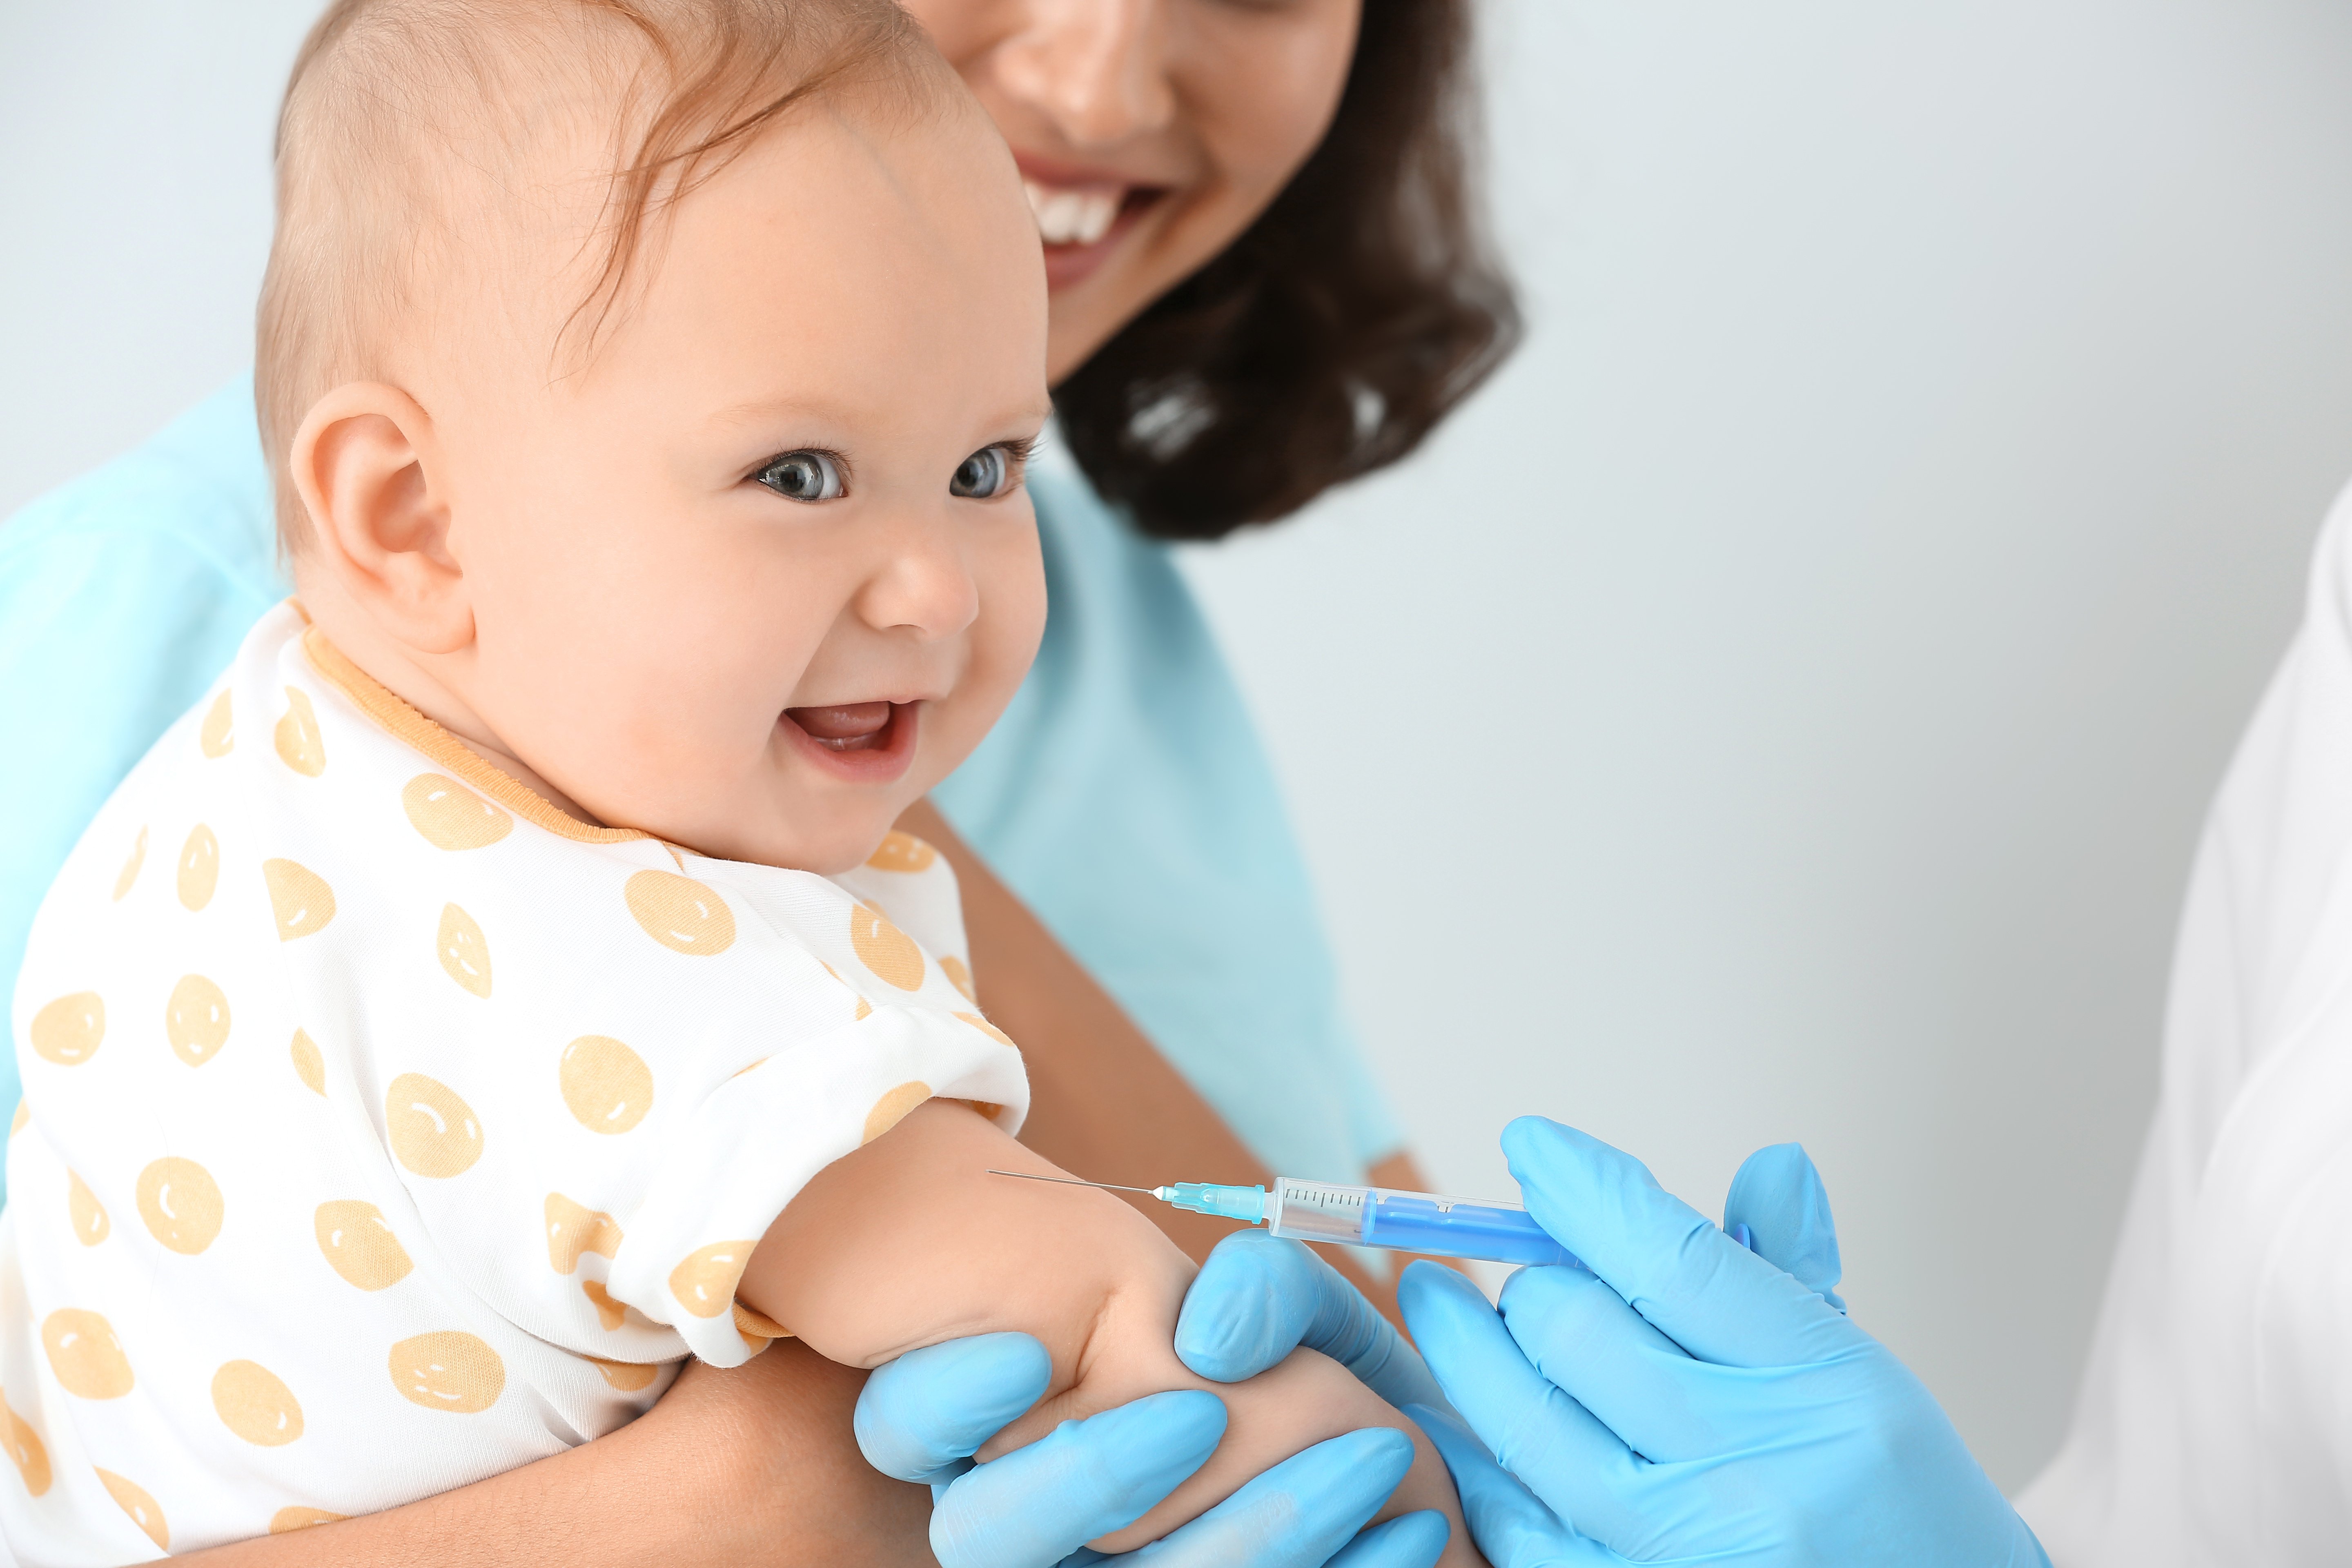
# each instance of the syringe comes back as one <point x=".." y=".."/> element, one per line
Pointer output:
<point x="1495" y="1229"/>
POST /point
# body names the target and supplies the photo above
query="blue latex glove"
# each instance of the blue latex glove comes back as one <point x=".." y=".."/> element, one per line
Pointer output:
<point x="921" y="1417"/>
<point x="1689" y="1400"/>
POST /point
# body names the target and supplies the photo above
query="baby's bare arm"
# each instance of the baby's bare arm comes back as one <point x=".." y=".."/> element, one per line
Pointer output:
<point x="909" y="1242"/>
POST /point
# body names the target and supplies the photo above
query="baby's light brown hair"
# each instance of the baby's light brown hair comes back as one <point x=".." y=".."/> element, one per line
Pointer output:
<point x="400" y="115"/>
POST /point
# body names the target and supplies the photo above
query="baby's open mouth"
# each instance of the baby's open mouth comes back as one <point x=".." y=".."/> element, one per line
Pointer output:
<point x="851" y="727"/>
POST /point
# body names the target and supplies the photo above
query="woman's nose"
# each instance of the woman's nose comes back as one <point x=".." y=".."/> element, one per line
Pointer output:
<point x="1097" y="69"/>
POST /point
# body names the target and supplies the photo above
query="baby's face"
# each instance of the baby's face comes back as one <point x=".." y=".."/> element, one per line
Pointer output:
<point x="766" y="572"/>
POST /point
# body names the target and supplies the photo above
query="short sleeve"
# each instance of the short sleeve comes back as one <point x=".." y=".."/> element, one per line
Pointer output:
<point x="666" y="1055"/>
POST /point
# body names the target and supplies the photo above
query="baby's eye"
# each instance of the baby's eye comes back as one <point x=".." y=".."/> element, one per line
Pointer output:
<point x="802" y="476"/>
<point x="985" y="475"/>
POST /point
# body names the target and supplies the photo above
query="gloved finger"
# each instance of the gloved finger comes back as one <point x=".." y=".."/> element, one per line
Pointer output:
<point x="1299" y="1514"/>
<point x="1567" y="1457"/>
<point x="1708" y="1294"/>
<point x="1512" y="1527"/>
<point x="1034" y="1506"/>
<point x="1582" y="1336"/>
<point x="926" y="1412"/>
<point x="1778" y="1196"/>
<point x="1258" y="1297"/>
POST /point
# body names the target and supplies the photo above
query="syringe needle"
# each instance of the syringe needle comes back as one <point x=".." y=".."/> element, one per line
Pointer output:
<point x="1074" y="1182"/>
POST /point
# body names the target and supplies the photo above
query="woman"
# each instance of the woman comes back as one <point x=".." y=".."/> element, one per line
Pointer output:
<point x="1264" y="281"/>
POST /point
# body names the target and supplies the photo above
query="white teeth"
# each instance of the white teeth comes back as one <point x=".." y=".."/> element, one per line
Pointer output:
<point x="1071" y="217"/>
<point x="1096" y="218"/>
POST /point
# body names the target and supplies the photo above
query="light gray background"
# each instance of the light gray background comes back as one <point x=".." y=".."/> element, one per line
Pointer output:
<point x="1782" y="706"/>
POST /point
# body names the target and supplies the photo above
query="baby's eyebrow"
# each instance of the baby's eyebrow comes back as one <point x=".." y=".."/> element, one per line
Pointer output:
<point x="763" y="411"/>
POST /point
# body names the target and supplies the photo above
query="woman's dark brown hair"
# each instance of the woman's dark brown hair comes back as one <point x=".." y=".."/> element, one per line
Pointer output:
<point x="1357" y="312"/>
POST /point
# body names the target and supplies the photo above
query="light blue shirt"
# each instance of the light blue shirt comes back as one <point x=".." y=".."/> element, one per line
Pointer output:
<point x="1124" y="797"/>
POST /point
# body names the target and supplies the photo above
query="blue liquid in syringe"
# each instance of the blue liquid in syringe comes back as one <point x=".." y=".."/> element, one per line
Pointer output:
<point x="1407" y="1222"/>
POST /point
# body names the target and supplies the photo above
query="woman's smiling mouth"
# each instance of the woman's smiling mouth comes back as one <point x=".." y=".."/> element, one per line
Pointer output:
<point x="1081" y="214"/>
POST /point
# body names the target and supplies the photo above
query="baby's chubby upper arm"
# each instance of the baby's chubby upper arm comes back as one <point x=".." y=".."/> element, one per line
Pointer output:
<point x="909" y="1241"/>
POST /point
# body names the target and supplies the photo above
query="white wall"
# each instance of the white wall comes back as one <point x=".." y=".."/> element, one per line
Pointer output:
<point x="1782" y="706"/>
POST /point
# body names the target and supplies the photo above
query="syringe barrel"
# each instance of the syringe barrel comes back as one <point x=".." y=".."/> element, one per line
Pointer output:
<point x="1490" y="1228"/>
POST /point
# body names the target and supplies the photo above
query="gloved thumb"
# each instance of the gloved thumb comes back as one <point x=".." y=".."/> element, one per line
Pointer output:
<point x="1778" y="1196"/>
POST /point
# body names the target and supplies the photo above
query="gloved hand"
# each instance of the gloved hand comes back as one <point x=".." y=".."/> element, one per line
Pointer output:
<point x="921" y="1417"/>
<point x="1689" y="1400"/>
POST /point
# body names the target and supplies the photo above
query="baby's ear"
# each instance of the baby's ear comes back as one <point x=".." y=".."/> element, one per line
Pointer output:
<point x="365" y="464"/>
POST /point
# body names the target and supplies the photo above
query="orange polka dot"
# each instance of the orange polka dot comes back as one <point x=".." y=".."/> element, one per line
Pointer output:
<point x="286" y="1520"/>
<point x="133" y="1499"/>
<point x="24" y="1114"/>
<point x="300" y="898"/>
<point x="85" y="1355"/>
<point x="449" y="1371"/>
<point x="300" y="744"/>
<point x="199" y="866"/>
<point x="892" y="1108"/>
<point x="574" y="1228"/>
<point x="681" y="913"/>
<point x="704" y="1282"/>
<point x="902" y="852"/>
<point x="91" y="1224"/>
<point x="68" y="1030"/>
<point x="29" y="1454"/>
<point x="359" y="1244"/>
<point x="308" y="1066"/>
<point x="985" y="1027"/>
<point x="465" y="954"/>
<point x="219" y="732"/>
<point x="431" y="1131"/>
<point x="195" y="1020"/>
<point x="451" y="816"/>
<point x="758" y="1326"/>
<point x="627" y="1376"/>
<point x="608" y="1086"/>
<point x="890" y="954"/>
<point x="958" y="975"/>
<point x="255" y="1403"/>
<point x="865" y="1011"/>
<point x="610" y="1314"/>
<point x="130" y="872"/>
<point x="181" y="1204"/>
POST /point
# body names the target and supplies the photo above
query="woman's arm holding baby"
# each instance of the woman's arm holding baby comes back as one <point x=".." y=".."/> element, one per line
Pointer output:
<point x="753" y="1463"/>
<point x="910" y="1241"/>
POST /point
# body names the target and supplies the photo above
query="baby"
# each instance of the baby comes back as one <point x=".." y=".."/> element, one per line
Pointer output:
<point x="507" y="982"/>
